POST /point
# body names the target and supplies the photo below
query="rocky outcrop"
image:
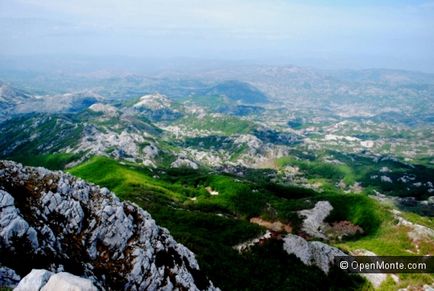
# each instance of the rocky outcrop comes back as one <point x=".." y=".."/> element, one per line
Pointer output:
<point x="67" y="281"/>
<point x="35" y="280"/>
<point x="106" y="109"/>
<point x="313" y="223"/>
<point x="48" y="281"/>
<point x="311" y="253"/>
<point x="157" y="107"/>
<point x="57" y="222"/>
<point x="68" y="102"/>
<point x="10" y="98"/>
<point x="416" y="232"/>
<point x="153" y="101"/>
<point x="183" y="162"/>
<point x="252" y="242"/>
<point x="250" y="140"/>
<point x="126" y="145"/>
<point x="8" y="277"/>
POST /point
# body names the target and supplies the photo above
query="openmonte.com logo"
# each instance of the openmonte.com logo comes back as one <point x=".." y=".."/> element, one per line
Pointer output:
<point x="386" y="264"/>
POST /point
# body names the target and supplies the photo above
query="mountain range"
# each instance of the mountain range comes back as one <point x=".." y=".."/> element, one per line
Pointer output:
<point x="261" y="175"/>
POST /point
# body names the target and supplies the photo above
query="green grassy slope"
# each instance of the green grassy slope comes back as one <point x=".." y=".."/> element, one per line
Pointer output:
<point x="211" y="225"/>
<point x="226" y="125"/>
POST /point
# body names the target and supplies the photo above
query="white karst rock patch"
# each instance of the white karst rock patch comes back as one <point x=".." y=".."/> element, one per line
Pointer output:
<point x="257" y="152"/>
<point x="40" y="279"/>
<point x="35" y="280"/>
<point x="67" y="281"/>
<point x="311" y="253"/>
<point x="106" y="109"/>
<point x="211" y="158"/>
<point x="183" y="162"/>
<point x="313" y="222"/>
<point x="123" y="145"/>
<point x="250" y="140"/>
<point x="60" y="223"/>
<point x="157" y="107"/>
<point x="153" y="101"/>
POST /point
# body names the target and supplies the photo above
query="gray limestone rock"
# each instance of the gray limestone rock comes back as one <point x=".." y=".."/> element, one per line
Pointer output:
<point x="35" y="280"/>
<point x="8" y="277"/>
<point x="311" y="253"/>
<point x="314" y="218"/>
<point x="67" y="222"/>
<point x="67" y="281"/>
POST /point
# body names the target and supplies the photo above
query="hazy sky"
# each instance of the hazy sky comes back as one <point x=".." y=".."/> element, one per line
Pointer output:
<point x="353" y="34"/>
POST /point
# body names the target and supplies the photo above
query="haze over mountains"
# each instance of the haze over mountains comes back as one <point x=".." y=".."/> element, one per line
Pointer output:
<point x="329" y="35"/>
<point x="214" y="145"/>
<point x="375" y="91"/>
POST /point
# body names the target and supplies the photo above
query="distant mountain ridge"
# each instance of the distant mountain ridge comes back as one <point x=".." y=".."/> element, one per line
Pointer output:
<point x="16" y="101"/>
<point x="300" y="86"/>
<point x="10" y="98"/>
<point x="238" y="91"/>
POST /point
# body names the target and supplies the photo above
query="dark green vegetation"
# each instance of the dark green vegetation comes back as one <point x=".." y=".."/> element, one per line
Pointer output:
<point x="227" y="125"/>
<point x="34" y="139"/>
<point x="211" y="225"/>
<point x="295" y="123"/>
<point x="334" y="167"/>
<point x="275" y="137"/>
<point x="210" y="102"/>
<point x="223" y="104"/>
<point x="360" y="210"/>
<point x="209" y="142"/>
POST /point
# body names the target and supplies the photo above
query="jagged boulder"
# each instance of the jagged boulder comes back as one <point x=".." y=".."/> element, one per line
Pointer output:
<point x="55" y="221"/>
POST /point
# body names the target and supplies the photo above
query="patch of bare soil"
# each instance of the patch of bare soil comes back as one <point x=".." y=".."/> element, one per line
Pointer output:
<point x="275" y="226"/>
